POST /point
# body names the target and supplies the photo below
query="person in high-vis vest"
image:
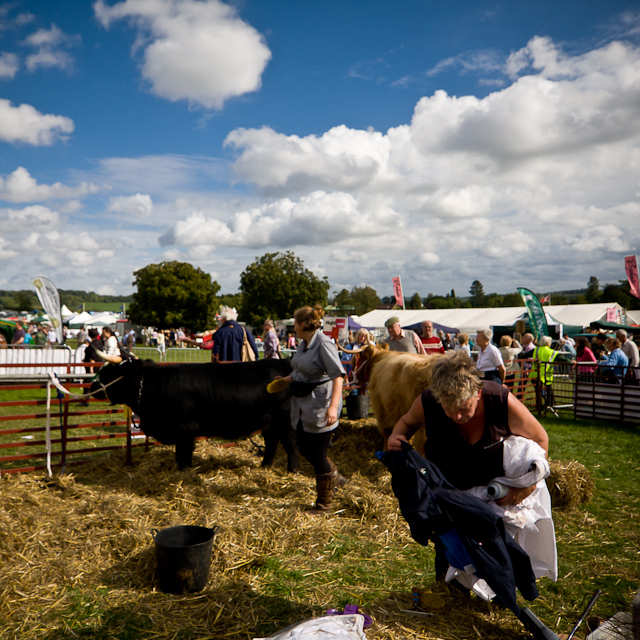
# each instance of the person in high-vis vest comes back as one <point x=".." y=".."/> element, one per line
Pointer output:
<point x="542" y="371"/>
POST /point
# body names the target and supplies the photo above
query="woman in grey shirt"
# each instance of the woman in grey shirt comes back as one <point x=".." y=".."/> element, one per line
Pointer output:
<point x="316" y="405"/>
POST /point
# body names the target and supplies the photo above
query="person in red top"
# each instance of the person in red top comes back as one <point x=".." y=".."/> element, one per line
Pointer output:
<point x="432" y="344"/>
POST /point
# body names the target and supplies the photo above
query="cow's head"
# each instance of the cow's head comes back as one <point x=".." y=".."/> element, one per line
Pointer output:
<point x="117" y="381"/>
<point x="365" y="357"/>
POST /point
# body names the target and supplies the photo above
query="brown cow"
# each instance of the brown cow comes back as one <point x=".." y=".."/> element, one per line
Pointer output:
<point x="395" y="381"/>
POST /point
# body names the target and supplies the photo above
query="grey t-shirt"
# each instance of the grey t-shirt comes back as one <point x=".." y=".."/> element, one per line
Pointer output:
<point x="312" y="362"/>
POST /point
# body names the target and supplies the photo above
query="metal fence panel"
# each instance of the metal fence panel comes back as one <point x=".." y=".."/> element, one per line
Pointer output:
<point x="36" y="355"/>
<point x="149" y="353"/>
<point x="190" y="354"/>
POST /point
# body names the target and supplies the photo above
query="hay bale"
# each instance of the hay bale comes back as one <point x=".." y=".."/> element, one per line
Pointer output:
<point x="569" y="483"/>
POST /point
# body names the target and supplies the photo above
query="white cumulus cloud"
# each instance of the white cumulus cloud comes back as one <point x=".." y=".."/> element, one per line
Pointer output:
<point x="20" y="186"/>
<point x="25" y="124"/>
<point x="9" y="65"/>
<point x="139" y="205"/>
<point x="33" y="217"/>
<point x="51" y="49"/>
<point x="194" y="50"/>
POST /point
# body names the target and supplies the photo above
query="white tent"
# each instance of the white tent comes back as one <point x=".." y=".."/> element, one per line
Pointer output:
<point x="104" y="319"/>
<point x="470" y="320"/>
<point x="80" y="319"/>
<point x="66" y="313"/>
<point x="633" y="317"/>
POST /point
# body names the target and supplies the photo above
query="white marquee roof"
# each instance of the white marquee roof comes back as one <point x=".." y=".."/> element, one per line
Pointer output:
<point x="470" y="320"/>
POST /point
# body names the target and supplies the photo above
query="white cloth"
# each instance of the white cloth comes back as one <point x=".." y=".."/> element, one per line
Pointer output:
<point x="111" y="348"/>
<point x="349" y="627"/>
<point x="530" y="523"/>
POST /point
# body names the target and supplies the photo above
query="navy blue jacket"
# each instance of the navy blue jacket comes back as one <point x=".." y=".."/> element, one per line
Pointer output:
<point x="227" y="342"/>
<point x="437" y="511"/>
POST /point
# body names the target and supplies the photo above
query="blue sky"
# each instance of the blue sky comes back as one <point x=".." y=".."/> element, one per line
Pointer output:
<point x="442" y="142"/>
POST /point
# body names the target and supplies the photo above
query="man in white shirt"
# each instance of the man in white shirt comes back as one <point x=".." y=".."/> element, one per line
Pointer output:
<point x="52" y="336"/>
<point x="490" y="362"/>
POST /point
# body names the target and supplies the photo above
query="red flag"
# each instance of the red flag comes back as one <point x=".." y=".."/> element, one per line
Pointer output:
<point x="546" y="299"/>
<point x="631" y="267"/>
<point x="397" y="291"/>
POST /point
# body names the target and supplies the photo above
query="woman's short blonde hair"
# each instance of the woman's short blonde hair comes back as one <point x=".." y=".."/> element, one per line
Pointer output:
<point x="454" y="379"/>
<point x="463" y="338"/>
<point x="309" y="318"/>
<point x="506" y="341"/>
<point x="544" y="341"/>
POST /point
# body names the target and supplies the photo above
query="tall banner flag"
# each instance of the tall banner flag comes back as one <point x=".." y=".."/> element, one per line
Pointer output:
<point x="397" y="291"/>
<point x="50" y="301"/>
<point x="631" y="267"/>
<point x="537" y="318"/>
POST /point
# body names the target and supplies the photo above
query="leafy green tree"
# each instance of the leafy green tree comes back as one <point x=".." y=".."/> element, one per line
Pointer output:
<point x="343" y="302"/>
<point x="275" y="285"/>
<point x="512" y="300"/>
<point x="619" y="293"/>
<point x="440" y="302"/>
<point x="26" y="301"/>
<point x="477" y="294"/>
<point x="364" y="299"/>
<point x="230" y="300"/>
<point x="173" y="294"/>
<point x="415" y="302"/>
<point x="492" y="300"/>
<point x="593" y="290"/>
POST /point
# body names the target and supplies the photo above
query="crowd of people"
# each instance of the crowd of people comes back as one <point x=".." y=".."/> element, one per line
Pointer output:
<point x="32" y="334"/>
<point x="470" y="418"/>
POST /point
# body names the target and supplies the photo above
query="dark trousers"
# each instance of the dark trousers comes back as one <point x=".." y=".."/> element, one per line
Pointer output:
<point x="314" y="447"/>
<point x="492" y="375"/>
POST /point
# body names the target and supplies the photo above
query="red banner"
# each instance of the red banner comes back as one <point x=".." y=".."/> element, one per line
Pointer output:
<point x="397" y="291"/>
<point x="631" y="267"/>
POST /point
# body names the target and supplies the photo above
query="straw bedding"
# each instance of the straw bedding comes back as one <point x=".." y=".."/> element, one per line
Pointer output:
<point x="77" y="560"/>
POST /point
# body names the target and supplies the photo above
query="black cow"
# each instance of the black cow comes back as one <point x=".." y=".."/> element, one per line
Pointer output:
<point x="179" y="402"/>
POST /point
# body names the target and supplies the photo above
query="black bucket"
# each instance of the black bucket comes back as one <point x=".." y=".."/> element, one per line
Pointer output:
<point x="184" y="557"/>
<point x="357" y="407"/>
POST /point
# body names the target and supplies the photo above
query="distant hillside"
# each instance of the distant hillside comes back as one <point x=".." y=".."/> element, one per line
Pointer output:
<point x="27" y="300"/>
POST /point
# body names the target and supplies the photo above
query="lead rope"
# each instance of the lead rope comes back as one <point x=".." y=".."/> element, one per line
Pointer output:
<point x="48" y="428"/>
<point x="53" y="381"/>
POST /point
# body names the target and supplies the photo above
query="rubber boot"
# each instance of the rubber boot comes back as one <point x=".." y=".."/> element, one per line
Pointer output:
<point x="326" y="485"/>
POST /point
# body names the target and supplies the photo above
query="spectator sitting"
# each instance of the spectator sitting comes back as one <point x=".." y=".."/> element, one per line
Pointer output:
<point x="584" y="354"/>
<point x="597" y="344"/>
<point x="630" y="349"/>
<point x="616" y="362"/>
